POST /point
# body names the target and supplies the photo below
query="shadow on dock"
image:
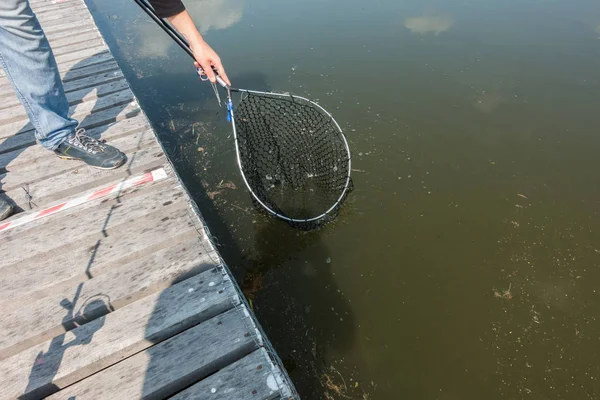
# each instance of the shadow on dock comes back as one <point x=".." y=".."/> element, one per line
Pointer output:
<point x="297" y="302"/>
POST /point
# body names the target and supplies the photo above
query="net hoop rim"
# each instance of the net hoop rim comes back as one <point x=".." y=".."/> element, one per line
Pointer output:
<point x="237" y="150"/>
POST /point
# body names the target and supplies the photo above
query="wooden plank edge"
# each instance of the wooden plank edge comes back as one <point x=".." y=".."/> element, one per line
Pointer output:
<point x="168" y="367"/>
<point x="133" y="278"/>
<point x="253" y="377"/>
<point x="117" y="336"/>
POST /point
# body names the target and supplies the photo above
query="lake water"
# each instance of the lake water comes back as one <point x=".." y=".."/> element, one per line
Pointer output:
<point x="465" y="264"/>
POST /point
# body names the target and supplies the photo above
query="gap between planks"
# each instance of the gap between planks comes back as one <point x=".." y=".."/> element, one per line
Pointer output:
<point x="98" y="344"/>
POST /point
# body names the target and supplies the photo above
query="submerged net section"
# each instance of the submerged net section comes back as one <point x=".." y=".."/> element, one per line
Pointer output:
<point x="294" y="157"/>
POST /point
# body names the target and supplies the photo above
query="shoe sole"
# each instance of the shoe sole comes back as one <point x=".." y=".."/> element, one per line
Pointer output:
<point x="93" y="166"/>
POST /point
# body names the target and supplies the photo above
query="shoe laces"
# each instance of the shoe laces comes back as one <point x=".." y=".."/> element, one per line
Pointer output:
<point x="86" y="143"/>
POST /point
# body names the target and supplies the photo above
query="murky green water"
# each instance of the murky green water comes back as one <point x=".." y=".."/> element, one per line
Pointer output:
<point x="465" y="264"/>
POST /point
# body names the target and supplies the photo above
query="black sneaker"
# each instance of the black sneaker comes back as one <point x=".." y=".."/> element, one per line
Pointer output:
<point x="91" y="151"/>
<point x="6" y="209"/>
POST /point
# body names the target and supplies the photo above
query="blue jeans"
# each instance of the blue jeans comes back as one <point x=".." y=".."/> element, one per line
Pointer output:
<point x="29" y="64"/>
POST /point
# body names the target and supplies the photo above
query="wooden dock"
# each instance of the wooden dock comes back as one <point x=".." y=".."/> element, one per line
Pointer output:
<point x="110" y="287"/>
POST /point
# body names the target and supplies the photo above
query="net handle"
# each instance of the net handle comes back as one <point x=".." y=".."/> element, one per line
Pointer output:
<point x="176" y="36"/>
<point x="182" y="42"/>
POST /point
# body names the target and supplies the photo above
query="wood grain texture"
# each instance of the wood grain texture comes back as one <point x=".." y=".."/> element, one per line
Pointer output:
<point x="94" y="224"/>
<point x="66" y="66"/>
<point x="109" y="260"/>
<point x="73" y="80"/>
<point x="82" y="178"/>
<point x="40" y="158"/>
<point x="254" y="377"/>
<point x="59" y="42"/>
<point x="104" y="117"/>
<point x="125" y="296"/>
<point x="111" y="129"/>
<point x="45" y="318"/>
<point x="104" y="341"/>
<point x="68" y="23"/>
<point x="168" y="367"/>
<point x="77" y="111"/>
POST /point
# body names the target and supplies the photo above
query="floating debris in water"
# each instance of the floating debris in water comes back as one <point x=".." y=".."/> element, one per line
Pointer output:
<point x="328" y="260"/>
<point x="507" y="295"/>
<point x="227" y="185"/>
<point x="212" y="195"/>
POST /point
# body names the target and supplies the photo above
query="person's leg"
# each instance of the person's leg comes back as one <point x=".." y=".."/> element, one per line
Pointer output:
<point x="27" y="59"/>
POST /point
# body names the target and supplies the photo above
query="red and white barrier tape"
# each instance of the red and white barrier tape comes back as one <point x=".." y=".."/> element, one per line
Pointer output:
<point x="152" y="176"/>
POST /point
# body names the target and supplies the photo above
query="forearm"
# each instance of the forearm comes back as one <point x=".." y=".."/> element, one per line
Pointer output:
<point x="185" y="25"/>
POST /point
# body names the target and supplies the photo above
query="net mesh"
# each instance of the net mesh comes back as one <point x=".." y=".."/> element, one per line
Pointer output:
<point x="294" y="157"/>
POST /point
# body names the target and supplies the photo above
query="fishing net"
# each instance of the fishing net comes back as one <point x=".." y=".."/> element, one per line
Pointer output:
<point x="294" y="158"/>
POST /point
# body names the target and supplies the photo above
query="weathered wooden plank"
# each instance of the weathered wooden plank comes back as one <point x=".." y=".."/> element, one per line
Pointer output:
<point x="59" y="11"/>
<point x="43" y="11"/>
<point x="67" y="18"/>
<point x="72" y="26"/>
<point x="48" y="165"/>
<point x="78" y="47"/>
<point x="68" y="77"/>
<point x="155" y="195"/>
<point x="102" y="342"/>
<point x="40" y="6"/>
<point x="80" y="55"/>
<point x="73" y="32"/>
<point x="14" y="144"/>
<point x="75" y="29"/>
<point x="102" y="118"/>
<point x="72" y="65"/>
<point x="40" y="193"/>
<point x="68" y="66"/>
<point x="92" y="81"/>
<point x="86" y="72"/>
<point x="104" y="254"/>
<point x="66" y="70"/>
<point x="103" y="89"/>
<point x="37" y="4"/>
<point x="60" y="42"/>
<point x="49" y="19"/>
<point x="27" y="171"/>
<point x="58" y="8"/>
<point x="61" y="45"/>
<point x="77" y="96"/>
<point x="99" y="221"/>
<point x="252" y="378"/>
<point x="15" y="114"/>
<point x="172" y="365"/>
<point x="41" y="320"/>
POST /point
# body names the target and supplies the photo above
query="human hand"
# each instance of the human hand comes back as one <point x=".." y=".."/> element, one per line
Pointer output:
<point x="207" y="58"/>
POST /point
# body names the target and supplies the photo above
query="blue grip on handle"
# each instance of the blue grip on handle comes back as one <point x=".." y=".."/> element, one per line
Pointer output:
<point x="229" y="110"/>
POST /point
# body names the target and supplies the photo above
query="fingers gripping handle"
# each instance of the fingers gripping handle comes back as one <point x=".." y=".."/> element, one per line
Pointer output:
<point x="204" y="77"/>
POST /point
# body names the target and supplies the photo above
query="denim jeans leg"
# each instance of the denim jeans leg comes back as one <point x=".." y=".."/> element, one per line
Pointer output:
<point x="29" y="64"/>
